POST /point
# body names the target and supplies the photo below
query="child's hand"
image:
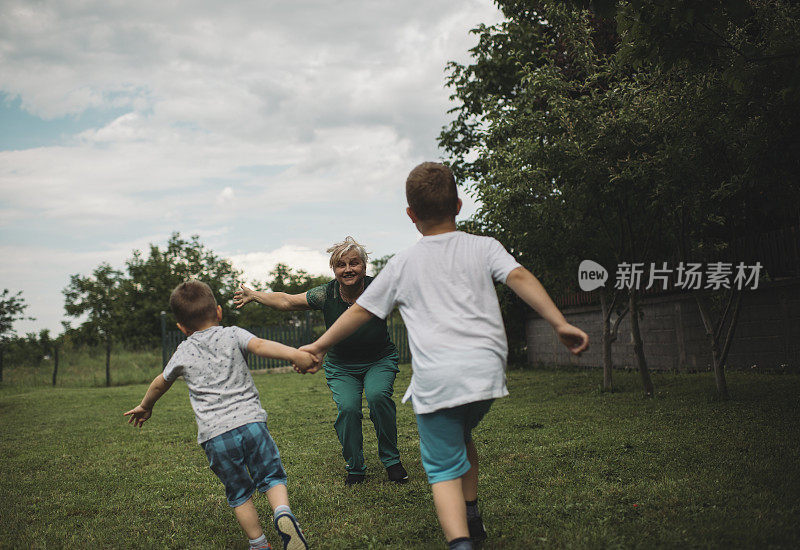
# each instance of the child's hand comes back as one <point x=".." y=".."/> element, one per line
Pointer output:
<point x="316" y="354"/>
<point x="303" y="361"/>
<point x="574" y="338"/>
<point x="138" y="415"/>
<point x="243" y="296"/>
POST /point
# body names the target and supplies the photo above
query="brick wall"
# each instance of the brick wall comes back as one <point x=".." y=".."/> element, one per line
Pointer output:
<point x="767" y="335"/>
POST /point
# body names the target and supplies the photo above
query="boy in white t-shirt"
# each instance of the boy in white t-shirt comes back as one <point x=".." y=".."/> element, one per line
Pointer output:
<point x="444" y="288"/>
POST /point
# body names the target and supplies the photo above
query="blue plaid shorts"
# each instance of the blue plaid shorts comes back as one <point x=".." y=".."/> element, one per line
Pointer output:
<point x="245" y="459"/>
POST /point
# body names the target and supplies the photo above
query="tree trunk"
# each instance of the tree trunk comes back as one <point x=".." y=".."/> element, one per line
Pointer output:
<point x="719" y="366"/>
<point x="638" y="346"/>
<point x="108" y="361"/>
<point x="719" y="379"/>
<point x="55" y="364"/>
<point x="719" y="354"/>
<point x="607" y="365"/>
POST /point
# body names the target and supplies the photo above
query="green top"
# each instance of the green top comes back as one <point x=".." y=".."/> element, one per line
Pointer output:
<point x="367" y="344"/>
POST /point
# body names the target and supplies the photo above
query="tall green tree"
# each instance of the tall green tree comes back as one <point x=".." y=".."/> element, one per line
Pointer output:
<point x="12" y="309"/>
<point x="607" y="138"/>
<point x="97" y="298"/>
<point x="144" y="293"/>
<point x="552" y="152"/>
<point x="735" y="65"/>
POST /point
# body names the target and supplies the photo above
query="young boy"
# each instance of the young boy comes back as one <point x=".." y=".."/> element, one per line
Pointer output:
<point x="231" y="425"/>
<point x="444" y="287"/>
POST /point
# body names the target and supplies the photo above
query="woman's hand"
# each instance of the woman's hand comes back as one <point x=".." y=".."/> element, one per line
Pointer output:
<point x="243" y="296"/>
<point x="317" y="354"/>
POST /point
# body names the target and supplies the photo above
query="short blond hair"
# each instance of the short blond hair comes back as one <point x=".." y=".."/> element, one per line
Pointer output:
<point x="340" y="249"/>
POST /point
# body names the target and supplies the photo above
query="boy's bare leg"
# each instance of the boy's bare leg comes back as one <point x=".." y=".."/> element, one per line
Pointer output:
<point x="248" y="518"/>
<point x="278" y="496"/>
<point x="448" y="497"/>
<point x="469" y="481"/>
<point x="285" y="522"/>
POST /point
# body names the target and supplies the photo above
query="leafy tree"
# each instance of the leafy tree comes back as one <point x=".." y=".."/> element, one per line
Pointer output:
<point x="12" y="309"/>
<point x="586" y="136"/>
<point x="144" y="293"/>
<point x="551" y="153"/>
<point x="735" y="65"/>
<point x="97" y="297"/>
<point x="377" y="264"/>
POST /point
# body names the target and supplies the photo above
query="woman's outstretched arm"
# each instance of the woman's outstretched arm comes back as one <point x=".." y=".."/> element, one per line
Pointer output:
<point x="275" y="300"/>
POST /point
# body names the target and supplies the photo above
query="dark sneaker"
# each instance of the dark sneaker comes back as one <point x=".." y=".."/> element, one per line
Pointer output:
<point x="477" y="532"/>
<point x="397" y="473"/>
<point x="290" y="533"/>
<point x="353" y="479"/>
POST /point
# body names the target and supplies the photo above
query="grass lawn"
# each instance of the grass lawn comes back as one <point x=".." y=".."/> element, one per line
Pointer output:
<point x="562" y="466"/>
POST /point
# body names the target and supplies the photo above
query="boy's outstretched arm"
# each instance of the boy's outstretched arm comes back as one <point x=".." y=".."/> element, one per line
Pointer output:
<point x="301" y="360"/>
<point x="344" y="326"/>
<point x="144" y="410"/>
<point x="528" y="287"/>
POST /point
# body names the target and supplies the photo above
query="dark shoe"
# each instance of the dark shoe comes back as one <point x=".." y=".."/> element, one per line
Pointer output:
<point x="477" y="532"/>
<point x="290" y="533"/>
<point x="353" y="479"/>
<point x="397" y="473"/>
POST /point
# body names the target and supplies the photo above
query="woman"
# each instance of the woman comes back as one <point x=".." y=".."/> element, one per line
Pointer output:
<point x="365" y="362"/>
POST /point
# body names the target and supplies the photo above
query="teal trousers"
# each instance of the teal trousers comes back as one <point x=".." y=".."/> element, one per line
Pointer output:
<point x="375" y="381"/>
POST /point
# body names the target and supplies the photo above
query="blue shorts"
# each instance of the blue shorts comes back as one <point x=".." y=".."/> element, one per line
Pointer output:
<point x="245" y="459"/>
<point x="443" y="438"/>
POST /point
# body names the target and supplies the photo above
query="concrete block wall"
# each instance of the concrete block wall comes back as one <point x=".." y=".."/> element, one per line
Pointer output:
<point x="767" y="334"/>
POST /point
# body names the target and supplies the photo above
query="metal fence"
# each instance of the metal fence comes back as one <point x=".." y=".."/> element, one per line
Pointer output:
<point x="291" y="335"/>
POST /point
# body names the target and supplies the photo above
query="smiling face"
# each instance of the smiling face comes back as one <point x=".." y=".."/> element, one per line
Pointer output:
<point x="350" y="269"/>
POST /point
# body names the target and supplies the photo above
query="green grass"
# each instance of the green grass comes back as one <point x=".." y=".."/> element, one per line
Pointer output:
<point x="87" y="368"/>
<point x="562" y="466"/>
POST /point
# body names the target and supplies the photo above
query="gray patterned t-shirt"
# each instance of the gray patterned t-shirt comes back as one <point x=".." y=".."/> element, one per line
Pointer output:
<point x="221" y="389"/>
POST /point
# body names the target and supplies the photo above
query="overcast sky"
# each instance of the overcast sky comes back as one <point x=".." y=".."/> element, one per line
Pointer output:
<point x="271" y="129"/>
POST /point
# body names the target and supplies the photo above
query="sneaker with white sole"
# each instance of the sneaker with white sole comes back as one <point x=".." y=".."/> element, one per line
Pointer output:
<point x="290" y="532"/>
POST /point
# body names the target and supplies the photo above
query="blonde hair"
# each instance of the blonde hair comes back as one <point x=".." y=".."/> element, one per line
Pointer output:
<point x="340" y="249"/>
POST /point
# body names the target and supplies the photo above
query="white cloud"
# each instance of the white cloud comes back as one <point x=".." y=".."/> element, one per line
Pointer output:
<point x="226" y="198"/>
<point x="257" y="265"/>
<point x="341" y="98"/>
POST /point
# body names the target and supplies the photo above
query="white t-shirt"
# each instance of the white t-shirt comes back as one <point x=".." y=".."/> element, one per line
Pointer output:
<point x="444" y="288"/>
<point x="221" y="390"/>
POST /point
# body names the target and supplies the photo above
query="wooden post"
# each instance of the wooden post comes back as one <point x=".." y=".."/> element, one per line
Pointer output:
<point x="108" y="359"/>
<point x="55" y="363"/>
<point x="164" y="357"/>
